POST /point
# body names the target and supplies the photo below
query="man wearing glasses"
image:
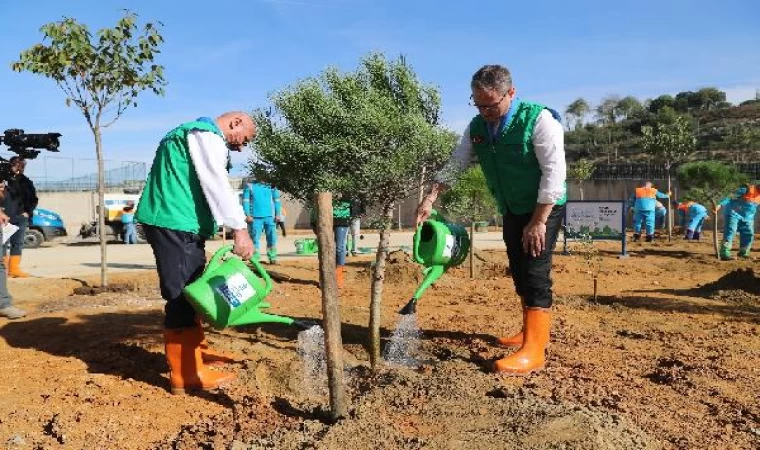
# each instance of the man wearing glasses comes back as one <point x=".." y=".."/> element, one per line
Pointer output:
<point x="520" y="147"/>
<point x="187" y="196"/>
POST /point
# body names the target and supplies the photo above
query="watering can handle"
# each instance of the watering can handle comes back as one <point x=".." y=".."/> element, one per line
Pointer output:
<point x="416" y="245"/>
<point x="216" y="261"/>
<point x="434" y="215"/>
<point x="263" y="273"/>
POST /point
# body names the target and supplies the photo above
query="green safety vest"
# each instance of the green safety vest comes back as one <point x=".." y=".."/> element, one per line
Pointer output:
<point x="509" y="163"/>
<point x="173" y="197"/>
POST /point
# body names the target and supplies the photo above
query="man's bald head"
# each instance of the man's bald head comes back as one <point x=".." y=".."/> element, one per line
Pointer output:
<point x="238" y="127"/>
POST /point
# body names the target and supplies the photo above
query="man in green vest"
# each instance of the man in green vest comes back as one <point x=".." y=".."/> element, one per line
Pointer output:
<point x="520" y="146"/>
<point x="187" y="196"/>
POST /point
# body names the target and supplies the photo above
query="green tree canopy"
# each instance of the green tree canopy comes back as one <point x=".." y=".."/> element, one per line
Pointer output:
<point x="580" y="171"/>
<point x="628" y="105"/>
<point x="667" y="142"/>
<point x="577" y="110"/>
<point x="368" y="133"/>
<point x="660" y="102"/>
<point x="607" y="111"/>
<point x="469" y="198"/>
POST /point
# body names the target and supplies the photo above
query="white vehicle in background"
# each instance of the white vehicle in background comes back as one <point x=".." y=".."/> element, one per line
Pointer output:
<point x="114" y="204"/>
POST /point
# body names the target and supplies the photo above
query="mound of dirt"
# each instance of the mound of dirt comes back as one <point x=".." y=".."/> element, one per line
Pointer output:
<point x="737" y="280"/>
<point x="399" y="269"/>
<point x="452" y="407"/>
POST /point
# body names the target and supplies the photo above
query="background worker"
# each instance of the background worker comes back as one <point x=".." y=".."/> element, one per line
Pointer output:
<point x="128" y="221"/>
<point x="660" y="216"/>
<point x="261" y="204"/>
<point x="694" y="216"/>
<point x="644" y="204"/>
<point x="739" y="217"/>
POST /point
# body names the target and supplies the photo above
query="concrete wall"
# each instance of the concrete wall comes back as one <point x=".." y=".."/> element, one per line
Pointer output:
<point x="74" y="207"/>
<point x="79" y="207"/>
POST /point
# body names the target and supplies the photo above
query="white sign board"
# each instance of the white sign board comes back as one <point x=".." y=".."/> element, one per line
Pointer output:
<point x="599" y="219"/>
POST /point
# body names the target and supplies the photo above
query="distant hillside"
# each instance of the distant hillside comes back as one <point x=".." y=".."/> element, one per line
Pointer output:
<point x="723" y="132"/>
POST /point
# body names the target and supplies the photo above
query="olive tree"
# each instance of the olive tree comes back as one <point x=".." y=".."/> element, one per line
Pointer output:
<point x="364" y="135"/>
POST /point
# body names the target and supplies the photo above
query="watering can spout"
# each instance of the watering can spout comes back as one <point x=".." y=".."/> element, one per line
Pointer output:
<point x="303" y="325"/>
<point x="409" y="308"/>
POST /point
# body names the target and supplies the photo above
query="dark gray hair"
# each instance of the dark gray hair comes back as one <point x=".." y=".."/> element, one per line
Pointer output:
<point x="492" y="78"/>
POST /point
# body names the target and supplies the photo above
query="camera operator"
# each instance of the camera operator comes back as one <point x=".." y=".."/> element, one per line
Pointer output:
<point x="20" y="202"/>
<point x="6" y="308"/>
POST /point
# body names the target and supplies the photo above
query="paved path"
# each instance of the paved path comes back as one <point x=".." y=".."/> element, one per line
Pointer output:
<point x="82" y="258"/>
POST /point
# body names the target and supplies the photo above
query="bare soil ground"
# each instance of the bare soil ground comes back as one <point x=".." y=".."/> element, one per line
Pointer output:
<point x="667" y="357"/>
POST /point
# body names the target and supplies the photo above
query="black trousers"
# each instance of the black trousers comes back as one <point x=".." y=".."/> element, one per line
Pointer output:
<point x="532" y="275"/>
<point x="180" y="260"/>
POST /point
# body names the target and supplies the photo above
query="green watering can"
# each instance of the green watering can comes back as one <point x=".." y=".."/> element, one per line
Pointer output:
<point x="230" y="294"/>
<point x="438" y="245"/>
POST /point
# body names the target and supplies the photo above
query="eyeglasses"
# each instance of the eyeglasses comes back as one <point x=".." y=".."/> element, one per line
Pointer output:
<point x="491" y="107"/>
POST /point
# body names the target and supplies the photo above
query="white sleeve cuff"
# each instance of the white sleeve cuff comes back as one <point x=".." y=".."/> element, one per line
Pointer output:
<point x="550" y="197"/>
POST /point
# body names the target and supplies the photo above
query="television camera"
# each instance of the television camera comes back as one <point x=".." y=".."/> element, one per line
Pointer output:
<point x="25" y="146"/>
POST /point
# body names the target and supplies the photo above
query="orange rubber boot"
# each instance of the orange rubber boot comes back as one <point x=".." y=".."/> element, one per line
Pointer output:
<point x="340" y="276"/>
<point x="186" y="369"/>
<point x="532" y="355"/>
<point x="214" y="357"/>
<point x="14" y="267"/>
<point x="515" y="340"/>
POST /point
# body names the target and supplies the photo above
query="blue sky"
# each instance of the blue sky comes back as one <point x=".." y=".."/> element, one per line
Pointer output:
<point x="221" y="55"/>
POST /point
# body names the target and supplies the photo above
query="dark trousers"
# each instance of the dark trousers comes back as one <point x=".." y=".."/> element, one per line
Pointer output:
<point x="16" y="242"/>
<point x="180" y="260"/>
<point x="281" y="225"/>
<point x="532" y="275"/>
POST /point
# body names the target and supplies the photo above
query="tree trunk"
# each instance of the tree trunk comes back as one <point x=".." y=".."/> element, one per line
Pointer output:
<point x="330" y="306"/>
<point x="101" y="207"/>
<point x="472" y="249"/>
<point x="715" y="231"/>
<point x="669" y="208"/>
<point x="581" y="189"/>
<point x="378" y="278"/>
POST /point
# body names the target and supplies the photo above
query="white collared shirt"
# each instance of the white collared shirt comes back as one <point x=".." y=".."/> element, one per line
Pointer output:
<point x="209" y="154"/>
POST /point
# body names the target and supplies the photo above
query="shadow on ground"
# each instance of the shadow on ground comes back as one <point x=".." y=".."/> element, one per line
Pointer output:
<point x="736" y="311"/>
<point x="107" y="343"/>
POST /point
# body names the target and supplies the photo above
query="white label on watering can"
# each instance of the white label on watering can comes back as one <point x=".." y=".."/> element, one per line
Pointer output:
<point x="236" y="290"/>
<point x="448" y="249"/>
